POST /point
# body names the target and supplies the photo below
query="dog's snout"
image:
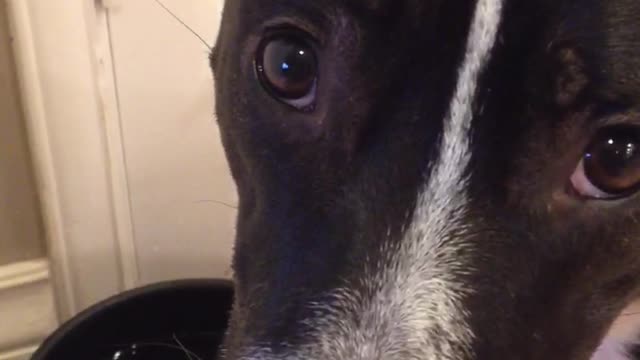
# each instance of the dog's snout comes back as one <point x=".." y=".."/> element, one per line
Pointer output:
<point x="430" y="180"/>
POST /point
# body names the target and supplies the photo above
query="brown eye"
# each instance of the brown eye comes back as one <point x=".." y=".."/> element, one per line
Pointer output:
<point x="611" y="165"/>
<point x="288" y="69"/>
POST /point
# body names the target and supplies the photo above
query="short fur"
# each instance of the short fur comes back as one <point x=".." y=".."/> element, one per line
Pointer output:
<point x="421" y="210"/>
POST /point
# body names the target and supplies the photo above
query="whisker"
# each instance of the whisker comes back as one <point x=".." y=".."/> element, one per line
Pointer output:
<point x="190" y="354"/>
<point x="631" y="313"/>
<point x="218" y="202"/>
<point x="186" y="351"/>
<point x="184" y="24"/>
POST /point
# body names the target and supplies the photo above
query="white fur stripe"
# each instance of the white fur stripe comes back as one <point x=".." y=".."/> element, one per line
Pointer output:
<point x="416" y="310"/>
<point x="428" y="267"/>
<point x="455" y="151"/>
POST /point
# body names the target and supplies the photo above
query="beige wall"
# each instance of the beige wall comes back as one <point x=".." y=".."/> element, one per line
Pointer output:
<point x="21" y="234"/>
<point x="145" y="147"/>
<point x="176" y="170"/>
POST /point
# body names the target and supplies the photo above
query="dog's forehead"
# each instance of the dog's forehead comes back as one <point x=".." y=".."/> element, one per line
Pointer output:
<point x="404" y="11"/>
<point x="412" y="8"/>
<point x="376" y="6"/>
<point x="622" y="47"/>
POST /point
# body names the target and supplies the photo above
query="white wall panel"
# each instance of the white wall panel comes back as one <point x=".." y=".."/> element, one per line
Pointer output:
<point x="177" y="173"/>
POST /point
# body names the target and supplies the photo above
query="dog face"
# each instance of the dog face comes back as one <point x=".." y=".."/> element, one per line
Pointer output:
<point x="431" y="179"/>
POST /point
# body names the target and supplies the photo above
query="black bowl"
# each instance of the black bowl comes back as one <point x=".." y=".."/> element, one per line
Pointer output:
<point x="184" y="319"/>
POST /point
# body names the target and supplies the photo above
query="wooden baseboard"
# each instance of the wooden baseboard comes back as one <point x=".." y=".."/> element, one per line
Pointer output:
<point x="27" y="307"/>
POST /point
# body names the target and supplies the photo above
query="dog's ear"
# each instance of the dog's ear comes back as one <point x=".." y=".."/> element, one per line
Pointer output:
<point x="571" y="79"/>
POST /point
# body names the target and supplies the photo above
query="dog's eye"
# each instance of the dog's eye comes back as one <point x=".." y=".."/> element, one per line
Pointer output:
<point x="610" y="168"/>
<point x="288" y="68"/>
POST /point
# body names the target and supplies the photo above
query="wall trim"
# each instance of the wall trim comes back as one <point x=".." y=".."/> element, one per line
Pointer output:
<point x="23" y="273"/>
<point x="70" y="100"/>
<point x="27" y="304"/>
<point x="19" y="354"/>
<point x="35" y="114"/>
<point x="107" y="87"/>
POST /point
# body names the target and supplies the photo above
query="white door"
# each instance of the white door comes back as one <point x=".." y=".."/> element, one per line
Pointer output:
<point x="119" y="108"/>
<point x="181" y="195"/>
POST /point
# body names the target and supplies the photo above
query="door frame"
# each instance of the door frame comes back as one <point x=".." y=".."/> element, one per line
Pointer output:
<point x="64" y="60"/>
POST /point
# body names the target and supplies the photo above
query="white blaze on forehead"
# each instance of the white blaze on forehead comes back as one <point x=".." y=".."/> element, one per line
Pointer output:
<point x="416" y="310"/>
<point x="455" y="151"/>
<point x="428" y="289"/>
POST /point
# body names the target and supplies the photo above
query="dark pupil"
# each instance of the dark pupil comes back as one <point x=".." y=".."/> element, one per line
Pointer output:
<point x="289" y="67"/>
<point x="613" y="162"/>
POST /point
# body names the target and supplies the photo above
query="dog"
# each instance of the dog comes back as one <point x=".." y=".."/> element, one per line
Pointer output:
<point x="432" y="179"/>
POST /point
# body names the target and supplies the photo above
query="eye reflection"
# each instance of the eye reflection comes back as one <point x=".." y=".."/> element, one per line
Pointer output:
<point x="288" y="69"/>
<point x="611" y="165"/>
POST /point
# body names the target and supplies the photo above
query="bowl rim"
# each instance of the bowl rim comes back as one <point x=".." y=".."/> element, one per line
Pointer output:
<point x="59" y="335"/>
